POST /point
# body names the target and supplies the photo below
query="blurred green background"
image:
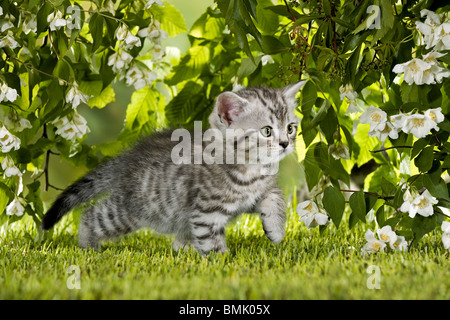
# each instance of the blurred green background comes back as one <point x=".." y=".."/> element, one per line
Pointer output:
<point x="105" y="124"/>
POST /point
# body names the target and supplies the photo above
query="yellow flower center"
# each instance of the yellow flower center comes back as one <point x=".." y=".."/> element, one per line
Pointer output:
<point x="417" y="122"/>
<point x="376" y="246"/>
<point x="422" y="204"/>
<point x="375" y="117"/>
<point x="432" y="116"/>
<point x="384" y="237"/>
<point x="309" y="207"/>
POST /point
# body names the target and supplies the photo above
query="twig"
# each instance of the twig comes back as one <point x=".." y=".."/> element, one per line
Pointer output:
<point x="51" y="43"/>
<point x="289" y="11"/>
<point x="370" y="193"/>
<point x="101" y="14"/>
<point x="30" y="67"/>
<point x="395" y="147"/>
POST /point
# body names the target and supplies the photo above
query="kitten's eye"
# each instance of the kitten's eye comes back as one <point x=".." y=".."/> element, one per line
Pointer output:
<point x="266" y="131"/>
<point x="290" y="128"/>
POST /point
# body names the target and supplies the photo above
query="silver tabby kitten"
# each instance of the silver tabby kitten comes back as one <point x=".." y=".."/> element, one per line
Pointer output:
<point x="145" y="188"/>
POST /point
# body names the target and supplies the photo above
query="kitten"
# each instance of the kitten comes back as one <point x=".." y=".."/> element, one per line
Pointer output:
<point x="144" y="187"/>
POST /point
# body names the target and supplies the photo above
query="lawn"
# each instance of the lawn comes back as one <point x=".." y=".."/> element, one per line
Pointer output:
<point x="306" y="265"/>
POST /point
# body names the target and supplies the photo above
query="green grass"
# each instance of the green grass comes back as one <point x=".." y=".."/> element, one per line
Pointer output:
<point x="306" y="265"/>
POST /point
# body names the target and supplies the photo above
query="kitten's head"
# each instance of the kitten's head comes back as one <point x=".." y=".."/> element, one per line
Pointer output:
<point x="265" y="115"/>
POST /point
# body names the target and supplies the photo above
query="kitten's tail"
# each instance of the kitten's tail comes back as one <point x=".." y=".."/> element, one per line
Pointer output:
<point x="92" y="184"/>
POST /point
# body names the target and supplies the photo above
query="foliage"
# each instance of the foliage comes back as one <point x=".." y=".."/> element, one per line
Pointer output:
<point x="385" y="59"/>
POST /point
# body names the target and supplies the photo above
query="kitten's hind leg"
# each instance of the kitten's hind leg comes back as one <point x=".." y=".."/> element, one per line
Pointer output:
<point x="87" y="239"/>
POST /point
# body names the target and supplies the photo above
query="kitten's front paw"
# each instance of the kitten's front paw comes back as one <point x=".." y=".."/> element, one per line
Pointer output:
<point x="273" y="227"/>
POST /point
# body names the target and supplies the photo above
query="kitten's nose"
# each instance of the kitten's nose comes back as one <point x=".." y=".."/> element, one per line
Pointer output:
<point x="284" y="144"/>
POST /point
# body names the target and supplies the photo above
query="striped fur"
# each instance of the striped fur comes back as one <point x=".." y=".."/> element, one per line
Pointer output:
<point x="144" y="188"/>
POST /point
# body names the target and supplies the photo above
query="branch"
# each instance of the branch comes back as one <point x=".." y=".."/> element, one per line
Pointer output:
<point x="370" y="193"/>
<point x="396" y="147"/>
<point x="289" y="11"/>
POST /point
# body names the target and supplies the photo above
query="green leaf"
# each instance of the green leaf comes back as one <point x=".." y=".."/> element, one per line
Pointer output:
<point x="5" y="196"/>
<point x="334" y="203"/>
<point x="312" y="171"/>
<point x="190" y="66"/>
<point x="96" y="29"/>
<point x="105" y="97"/>
<point x="172" y="21"/>
<point x="424" y="161"/>
<point x="358" y="205"/>
<point x="421" y="226"/>
<point x="144" y="103"/>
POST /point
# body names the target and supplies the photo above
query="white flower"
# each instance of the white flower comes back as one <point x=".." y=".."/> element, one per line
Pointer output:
<point x="139" y="77"/>
<point x="16" y="207"/>
<point x="71" y="129"/>
<point x="1" y="11"/>
<point x="7" y="22"/>
<point x="119" y="61"/>
<point x="398" y="121"/>
<point x="267" y="59"/>
<point x="311" y="215"/>
<point x="10" y="168"/>
<point x="16" y="123"/>
<point x="29" y="24"/>
<point x="153" y="32"/>
<point x="373" y="244"/>
<point x="75" y="96"/>
<point x="386" y="234"/>
<point x="121" y="32"/>
<point x="419" y="125"/>
<point x="441" y="37"/>
<point x="436" y="73"/>
<point x="131" y="41"/>
<point x="9" y="42"/>
<point x="375" y="116"/>
<point x="347" y="91"/>
<point x="7" y="93"/>
<point x="56" y="20"/>
<point x="446" y="235"/>
<point x="353" y="107"/>
<point x="413" y="71"/>
<point x="435" y="115"/>
<point x="339" y="151"/>
<point x="400" y="244"/>
<point x="427" y="28"/>
<point x="151" y="2"/>
<point x="8" y="141"/>
<point x="388" y="131"/>
<point x="418" y="204"/>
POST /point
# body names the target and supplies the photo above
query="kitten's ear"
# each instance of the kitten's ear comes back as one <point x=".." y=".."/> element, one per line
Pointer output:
<point x="230" y="106"/>
<point x="291" y="90"/>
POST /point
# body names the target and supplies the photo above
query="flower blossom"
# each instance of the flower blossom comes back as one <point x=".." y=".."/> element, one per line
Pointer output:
<point x="339" y="151"/>
<point x="56" y="20"/>
<point x="347" y="92"/>
<point x="16" y="207"/>
<point x="413" y="71"/>
<point x="139" y="77"/>
<point x="9" y="42"/>
<point x="151" y="2"/>
<point x="311" y="214"/>
<point x="413" y="203"/>
<point x="7" y="93"/>
<point x="119" y="61"/>
<point x="8" y="141"/>
<point x="10" y="168"/>
<point x="373" y="244"/>
<point x="16" y="123"/>
<point x="386" y="234"/>
<point x="75" y="96"/>
<point x="70" y="129"/>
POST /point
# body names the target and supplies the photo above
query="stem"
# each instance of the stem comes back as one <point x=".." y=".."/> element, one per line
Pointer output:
<point x="289" y="11"/>
<point x="384" y="149"/>
<point x="51" y="43"/>
<point x="370" y="193"/>
<point x="26" y="65"/>
<point x="101" y="14"/>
